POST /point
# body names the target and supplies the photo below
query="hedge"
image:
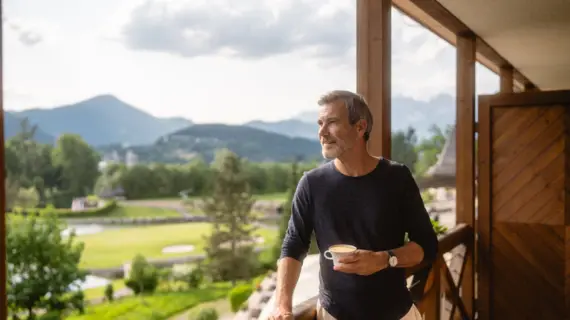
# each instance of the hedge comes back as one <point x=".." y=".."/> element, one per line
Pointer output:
<point x="68" y="213"/>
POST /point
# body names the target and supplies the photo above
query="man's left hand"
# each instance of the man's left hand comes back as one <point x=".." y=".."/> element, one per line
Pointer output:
<point x="363" y="262"/>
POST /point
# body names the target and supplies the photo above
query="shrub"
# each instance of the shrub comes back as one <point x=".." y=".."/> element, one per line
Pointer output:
<point x="109" y="292"/>
<point x="239" y="295"/>
<point x="206" y="314"/>
<point x="195" y="277"/>
<point x="143" y="277"/>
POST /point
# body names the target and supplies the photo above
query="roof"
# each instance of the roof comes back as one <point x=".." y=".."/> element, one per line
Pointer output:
<point x="442" y="173"/>
<point x="527" y="35"/>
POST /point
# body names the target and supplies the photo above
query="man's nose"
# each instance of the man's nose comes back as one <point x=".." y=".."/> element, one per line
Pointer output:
<point x="322" y="131"/>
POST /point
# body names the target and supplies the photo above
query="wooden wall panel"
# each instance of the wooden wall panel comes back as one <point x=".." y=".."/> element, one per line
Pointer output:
<point x="524" y="188"/>
<point x="528" y="165"/>
<point x="528" y="232"/>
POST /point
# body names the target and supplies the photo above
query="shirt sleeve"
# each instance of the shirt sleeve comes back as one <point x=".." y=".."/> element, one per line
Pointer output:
<point x="418" y="222"/>
<point x="297" y="239"/>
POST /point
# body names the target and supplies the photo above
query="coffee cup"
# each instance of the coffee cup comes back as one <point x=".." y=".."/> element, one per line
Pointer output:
<point x="337" y="251"/>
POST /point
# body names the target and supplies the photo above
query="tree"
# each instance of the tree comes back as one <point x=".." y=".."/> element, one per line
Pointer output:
<point x="230" y="247"/>
<point x="403" y="147"/>
<point x="430" y="148"/>
<point x="286" y="215"/>
<point x="78" y="162"/>
<point x="43" y="265"/>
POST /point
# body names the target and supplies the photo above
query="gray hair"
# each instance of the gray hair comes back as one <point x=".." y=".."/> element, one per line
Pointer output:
<point x="356" y="105"/>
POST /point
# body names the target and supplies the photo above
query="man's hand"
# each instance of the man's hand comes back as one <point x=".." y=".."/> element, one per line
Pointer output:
<point x="363" y="262"/>
<point x="281" y="314"/>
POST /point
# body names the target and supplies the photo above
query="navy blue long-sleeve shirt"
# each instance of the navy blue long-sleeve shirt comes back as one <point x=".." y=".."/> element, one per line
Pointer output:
<point x="371" y="212"/>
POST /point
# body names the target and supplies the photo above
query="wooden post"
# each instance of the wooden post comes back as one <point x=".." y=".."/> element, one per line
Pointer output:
<point x="3" y="264"/>
<point x="373" y="68"/>
<point x="506" y="76"/>
<point x="465" y="144"/>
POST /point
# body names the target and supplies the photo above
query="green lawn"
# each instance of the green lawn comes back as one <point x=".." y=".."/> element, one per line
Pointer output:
<point x="159" y="306"/>
<point x="279" y="196"/>
<point x="142" y="212"/>
<point x="282" y="196"/>
<point x="113" y="248"/>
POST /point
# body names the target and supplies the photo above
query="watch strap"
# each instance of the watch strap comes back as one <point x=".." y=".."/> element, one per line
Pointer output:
<point x="390" y="255"/>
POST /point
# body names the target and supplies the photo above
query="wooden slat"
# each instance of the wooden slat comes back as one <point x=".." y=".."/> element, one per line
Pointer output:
<point x="373" y="64"/>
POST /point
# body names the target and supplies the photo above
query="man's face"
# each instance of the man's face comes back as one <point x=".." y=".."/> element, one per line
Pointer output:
<point x="336" y="134"/>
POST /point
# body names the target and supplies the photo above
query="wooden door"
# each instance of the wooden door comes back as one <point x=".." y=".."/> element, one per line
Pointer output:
<point x="523" y="218"/>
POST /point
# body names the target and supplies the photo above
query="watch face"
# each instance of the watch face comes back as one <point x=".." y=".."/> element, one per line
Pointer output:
<point x="393" y="261"/>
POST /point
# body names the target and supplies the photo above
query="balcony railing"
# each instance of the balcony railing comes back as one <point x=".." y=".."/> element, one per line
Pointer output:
<point x="434" y="287"/>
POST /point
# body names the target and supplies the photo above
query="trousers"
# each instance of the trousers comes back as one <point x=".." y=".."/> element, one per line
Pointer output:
<point x="413" y="314"/>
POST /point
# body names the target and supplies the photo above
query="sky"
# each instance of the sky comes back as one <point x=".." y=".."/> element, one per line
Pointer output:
<point x="207" y="60"/>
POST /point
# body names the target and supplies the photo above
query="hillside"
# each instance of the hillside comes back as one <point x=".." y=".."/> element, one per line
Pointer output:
<point x="103" y="120"/>
<point x="290" y="127"/>
<point x="205" y="139"/>
<point x="12" y="127"/>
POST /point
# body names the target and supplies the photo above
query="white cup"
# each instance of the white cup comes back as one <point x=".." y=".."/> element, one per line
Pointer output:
<point x="338" y="250"/>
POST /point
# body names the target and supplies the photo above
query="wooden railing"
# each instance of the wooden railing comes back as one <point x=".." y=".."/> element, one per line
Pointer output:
<point x="434" y="287"/>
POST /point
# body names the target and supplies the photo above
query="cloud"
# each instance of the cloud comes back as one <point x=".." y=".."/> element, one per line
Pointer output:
<point x="423" y="65"/>
<point x="249" y="29"/>
<point x="27" y="35"/>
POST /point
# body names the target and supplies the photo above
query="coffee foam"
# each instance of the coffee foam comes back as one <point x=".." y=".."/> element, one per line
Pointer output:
<point x="341" y="248"/>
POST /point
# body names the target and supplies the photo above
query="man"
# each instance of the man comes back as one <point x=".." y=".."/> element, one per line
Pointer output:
<point x="360" y="200"/>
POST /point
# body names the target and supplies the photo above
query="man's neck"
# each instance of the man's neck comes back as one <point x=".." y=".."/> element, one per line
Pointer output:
<point x="356" y="165"/>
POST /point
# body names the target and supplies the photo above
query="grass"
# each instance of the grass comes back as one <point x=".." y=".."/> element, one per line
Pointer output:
<point x="112" y="248"/>
<point x="141" y="212"/>
<point x="99" y="292"/>
<point x="278" y="196"/>
<point x="222" y="306"/>
<point x="161" y="305"/>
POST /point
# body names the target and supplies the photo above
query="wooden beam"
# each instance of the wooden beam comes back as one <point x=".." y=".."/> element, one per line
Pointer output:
<point x="506" y="78"/>
<point x="3" y="263"/>
<point x="465" y="146"/>
<point x="436" y="18"/>
<point x="529" y="87"/>
<point x="373" y="68"/>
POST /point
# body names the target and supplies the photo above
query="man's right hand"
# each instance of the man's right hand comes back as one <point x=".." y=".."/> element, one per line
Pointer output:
<point x="281" y="314"/>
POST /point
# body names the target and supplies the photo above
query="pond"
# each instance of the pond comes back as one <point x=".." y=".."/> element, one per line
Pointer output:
<point x="93" y="282"/>
<point x="85" y="229"/>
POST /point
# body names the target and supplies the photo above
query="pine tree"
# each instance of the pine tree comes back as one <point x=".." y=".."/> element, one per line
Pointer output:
<point x="286" y="215"/>
<point x="230" y="247"/>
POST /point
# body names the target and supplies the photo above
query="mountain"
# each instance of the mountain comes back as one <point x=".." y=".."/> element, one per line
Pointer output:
<point x="406" y="111"/>
<point x="12" y="127"/>
<point x="205" y="139"/>
<point x="103" y="120"/>
<point x="290" y="127"/>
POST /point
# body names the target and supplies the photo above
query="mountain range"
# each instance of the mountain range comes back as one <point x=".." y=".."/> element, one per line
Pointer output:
<point x="406" y="112"/>
<point x="205" y="139"/>
<point x="110" y="124"/>
<point x="101" y="120"/>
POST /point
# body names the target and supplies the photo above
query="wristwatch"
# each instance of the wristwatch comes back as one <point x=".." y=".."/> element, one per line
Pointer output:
<point x="392" y="259"/>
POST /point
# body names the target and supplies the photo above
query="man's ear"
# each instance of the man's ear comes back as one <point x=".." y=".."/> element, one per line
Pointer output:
<point x="361" y="127"/>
